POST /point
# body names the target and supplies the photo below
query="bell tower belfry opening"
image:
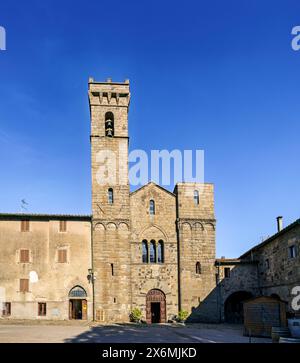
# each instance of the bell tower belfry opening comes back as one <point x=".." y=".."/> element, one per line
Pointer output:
<point x="109" y="105"/>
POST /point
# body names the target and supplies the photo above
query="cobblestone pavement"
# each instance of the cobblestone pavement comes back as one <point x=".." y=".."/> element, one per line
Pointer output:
<point x="122" y="333"/>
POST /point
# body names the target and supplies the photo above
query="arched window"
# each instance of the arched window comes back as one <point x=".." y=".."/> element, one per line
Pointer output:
<point x="152" y="207"/>
<point x="152" y="252"/>
<point x="145" y="251"/>
<point x="196" y="197"/>
<point x="77" y="291"/>
<point x="110" y="196"/>
<point x="109" y="124"/>
<point x="198" y="268"/>
<point x="160" y="252"/>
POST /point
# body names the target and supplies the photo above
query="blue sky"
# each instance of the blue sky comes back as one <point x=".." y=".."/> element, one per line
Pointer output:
<point x="214" y="75"/>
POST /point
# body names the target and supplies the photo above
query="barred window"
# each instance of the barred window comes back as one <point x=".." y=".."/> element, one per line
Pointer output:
<point x="6" y="310"/>
<point x="42" y="309"/>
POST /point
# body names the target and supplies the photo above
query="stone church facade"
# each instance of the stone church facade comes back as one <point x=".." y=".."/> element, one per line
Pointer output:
<point x="150" y="249"/>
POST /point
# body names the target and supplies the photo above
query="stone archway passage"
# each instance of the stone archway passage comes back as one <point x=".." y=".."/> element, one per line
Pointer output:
<point x="233" y="307"/>
<point x="155" y="306"/>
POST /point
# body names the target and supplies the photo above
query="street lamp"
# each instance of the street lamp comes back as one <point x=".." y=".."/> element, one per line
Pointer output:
<point x="90" y="276"/>
<point x="91" y="279"/>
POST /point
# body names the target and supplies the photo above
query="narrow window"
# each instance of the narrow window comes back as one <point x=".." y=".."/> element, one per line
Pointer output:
<point x="110" y="196"/>
<point x="152" y="252"/>
<point x="25" y="225"/>
<point x="112" y="269"/>
<point x="62" y="256"/>
<point x="62" y="226"/>
<point x="227" y="272"/>
<point x="24" y="285"/>
<point x="160" y="252"/>
<point x="24" y="256"/>
<point x="6" y="311"/>
<point x="196" y="197"/>
<point x="267" y="263"/>
<point x="152" y="207"/>
<point x="42" y="309"/>
<point x="145" y="251"/>
<point x="109" y="124"/>
<point x="292" y="251"/>
<point x="198" y="268"/>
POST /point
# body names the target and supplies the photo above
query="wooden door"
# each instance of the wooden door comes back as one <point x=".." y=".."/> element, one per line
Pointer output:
<point x="84" y="309"/>
<point x="70" y="309"/>
<point x="157" y="296"/>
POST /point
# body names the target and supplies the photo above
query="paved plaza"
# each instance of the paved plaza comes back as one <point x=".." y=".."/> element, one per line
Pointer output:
<point x="25" y="332"/>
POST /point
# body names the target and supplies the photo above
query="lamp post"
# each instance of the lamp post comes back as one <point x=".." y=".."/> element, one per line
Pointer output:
<point x="91" y="280"/>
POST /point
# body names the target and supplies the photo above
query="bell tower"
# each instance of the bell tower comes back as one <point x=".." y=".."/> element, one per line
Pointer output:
<point x="109" y="105"/>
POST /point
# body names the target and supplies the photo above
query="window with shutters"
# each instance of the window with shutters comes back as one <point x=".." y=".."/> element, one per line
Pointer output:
<point x="62" y="256"/>
<point x="25" y="225"/>
<point x="24" y="285"/>
<point x="62" y="226"/>
<point x="42" y="309"/>
<point x="6" y="310"/>
<point x="24" y="256"/>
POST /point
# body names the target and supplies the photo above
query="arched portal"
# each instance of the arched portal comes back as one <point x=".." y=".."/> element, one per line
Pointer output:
<point x="155" y="306"/>
<point x="77" y="303"/>
<point x="233" y="307"/>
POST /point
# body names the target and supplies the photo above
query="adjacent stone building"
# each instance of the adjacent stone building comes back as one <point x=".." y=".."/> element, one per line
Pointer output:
<point x="271" y="268"/>
<point x="151" y="249"/>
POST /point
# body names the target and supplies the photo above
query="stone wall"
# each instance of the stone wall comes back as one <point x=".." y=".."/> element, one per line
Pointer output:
<point x="278" y="273"/>
<point x="160" y="226"/>
<point x="111" y="221"/>
<point x="55" y="279"/>
<point x="196" y="228"/>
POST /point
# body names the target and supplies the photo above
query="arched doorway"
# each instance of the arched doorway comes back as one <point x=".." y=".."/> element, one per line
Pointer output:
<point x="233" y="307"/>
<point x="77" y="303"/>
<point x="155" y="306"/>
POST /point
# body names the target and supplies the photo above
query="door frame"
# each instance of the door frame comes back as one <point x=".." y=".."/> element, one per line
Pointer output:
<point x="156" y="296"/>
<point x="83" y="309"/>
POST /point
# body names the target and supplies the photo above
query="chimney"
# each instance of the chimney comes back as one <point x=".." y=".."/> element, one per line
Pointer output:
<point x="279" y="223"/>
